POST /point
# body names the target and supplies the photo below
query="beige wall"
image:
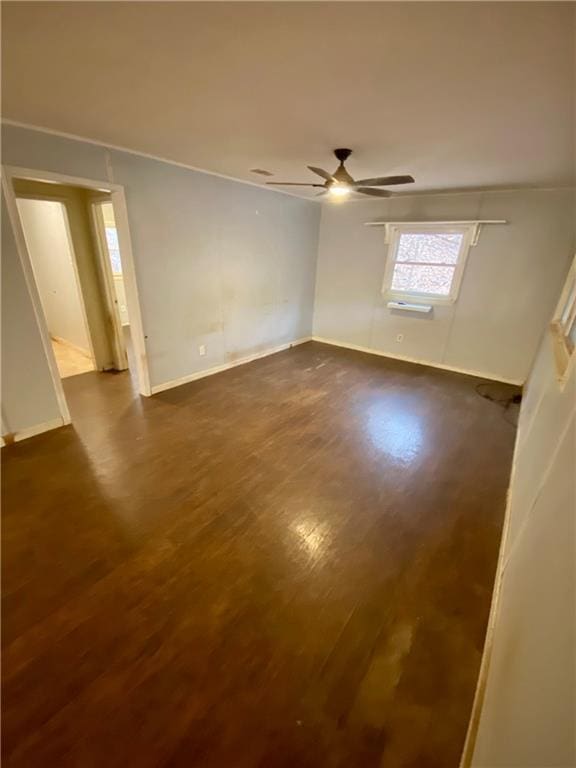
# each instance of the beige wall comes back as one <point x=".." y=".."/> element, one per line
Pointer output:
<point x="510" y="284"/>
<point x="45" y="228"/>
<point x="28" y="396"/>
<point x="528" y="713"/>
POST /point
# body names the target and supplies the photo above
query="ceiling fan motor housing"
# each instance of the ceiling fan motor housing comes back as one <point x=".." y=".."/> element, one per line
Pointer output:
<point x="342" y="154"/>
<point x="341" y="175"/>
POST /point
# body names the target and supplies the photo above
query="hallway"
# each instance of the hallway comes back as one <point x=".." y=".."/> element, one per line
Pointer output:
<point x="70" y="361"/>
<point x="286" y="564"/>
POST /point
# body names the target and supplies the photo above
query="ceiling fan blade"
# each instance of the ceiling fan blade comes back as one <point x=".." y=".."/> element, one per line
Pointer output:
<point x="320" y="172"/>
<point x="373" y="192"/>
<point x="385" y="181"/>
<point x="292" y="184"/>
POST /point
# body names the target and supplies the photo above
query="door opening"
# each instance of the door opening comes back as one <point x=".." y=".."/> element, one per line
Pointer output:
<point x="77" y="302"/>
<point x="110" y="255"/>
<point x="73" y="241"/>
<point x="47" y="232"/>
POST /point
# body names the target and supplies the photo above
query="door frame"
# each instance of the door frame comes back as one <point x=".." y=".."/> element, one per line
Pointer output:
<point x="118" y="199"/>
<point x="97" y="222"/>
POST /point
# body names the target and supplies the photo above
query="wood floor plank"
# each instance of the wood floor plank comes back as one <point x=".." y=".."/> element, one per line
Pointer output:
<point x="287" y="564"/>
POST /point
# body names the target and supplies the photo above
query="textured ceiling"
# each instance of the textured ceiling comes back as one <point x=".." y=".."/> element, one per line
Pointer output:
<point x="460" y="95"/>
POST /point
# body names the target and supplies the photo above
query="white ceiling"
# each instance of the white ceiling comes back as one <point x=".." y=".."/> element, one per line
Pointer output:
<point x="460" y="95"/>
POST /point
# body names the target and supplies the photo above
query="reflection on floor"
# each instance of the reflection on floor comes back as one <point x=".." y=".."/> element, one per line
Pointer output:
<point x="287" y="564"/>
<point x="70" y="360"/>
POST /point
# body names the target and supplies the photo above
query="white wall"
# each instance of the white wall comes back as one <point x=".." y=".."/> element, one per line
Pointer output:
<point x="223" y="264"/>
<point x="529" y="709"/>
<point x="218" y="262"/>
<point x="46" y="233"/>
<point x="28" y="397"/>
<point x="510" y="284"/>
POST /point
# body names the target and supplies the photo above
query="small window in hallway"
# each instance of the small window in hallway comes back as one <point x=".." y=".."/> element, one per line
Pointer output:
<point x="108" y="224"/>
<point x="113" y="249"/>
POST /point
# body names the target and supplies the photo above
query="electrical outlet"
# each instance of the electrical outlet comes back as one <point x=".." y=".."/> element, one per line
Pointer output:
<point x="400" y="338"/>
<point x="202" y="350"/>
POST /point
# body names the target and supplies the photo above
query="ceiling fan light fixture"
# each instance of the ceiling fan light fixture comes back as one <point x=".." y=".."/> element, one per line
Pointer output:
<point x="340" y="190"/>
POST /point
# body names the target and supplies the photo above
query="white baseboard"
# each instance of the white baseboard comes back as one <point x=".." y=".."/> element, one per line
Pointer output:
<point x="37" y="429"/>
<point x="429" y="363"/>
<point x="226" y="366"/>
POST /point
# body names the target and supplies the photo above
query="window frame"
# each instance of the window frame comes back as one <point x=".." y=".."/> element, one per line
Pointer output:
<point x="564" y="348"/>
<point x="395" y="231"/>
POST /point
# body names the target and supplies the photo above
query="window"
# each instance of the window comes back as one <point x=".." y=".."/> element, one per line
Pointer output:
<point x="113" y="249"/>
<point x="426" y="261"/>
<point x="564" y="325"/>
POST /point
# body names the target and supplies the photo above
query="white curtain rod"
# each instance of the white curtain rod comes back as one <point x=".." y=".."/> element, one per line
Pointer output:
<point x="420" y="223"/>
<point x="475" y="223"/>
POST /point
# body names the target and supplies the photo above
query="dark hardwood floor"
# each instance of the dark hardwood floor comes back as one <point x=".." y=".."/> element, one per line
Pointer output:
<point x="287" y="564"/>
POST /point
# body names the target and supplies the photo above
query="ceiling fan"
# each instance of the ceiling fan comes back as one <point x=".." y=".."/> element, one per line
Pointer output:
<point x="341" y="184"/>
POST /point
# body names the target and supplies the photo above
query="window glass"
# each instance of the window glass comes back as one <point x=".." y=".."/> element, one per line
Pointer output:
<point x="415" y="278"/>
<point x="429" y="248"/>
<point x="113" y="249"/>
